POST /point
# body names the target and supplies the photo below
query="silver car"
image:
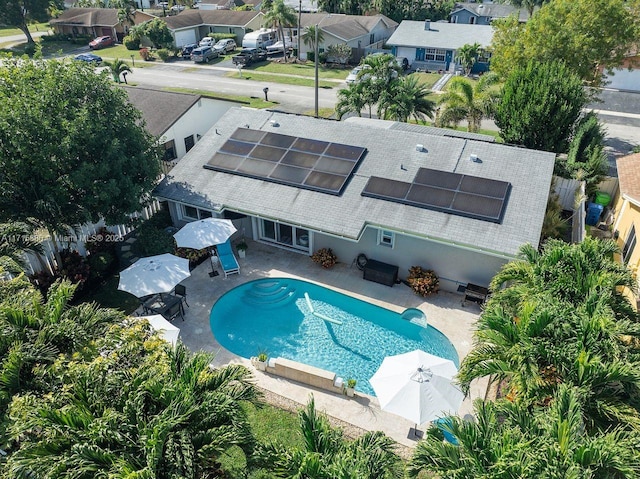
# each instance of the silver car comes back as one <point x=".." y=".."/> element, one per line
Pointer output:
<point x="203" y="54"/>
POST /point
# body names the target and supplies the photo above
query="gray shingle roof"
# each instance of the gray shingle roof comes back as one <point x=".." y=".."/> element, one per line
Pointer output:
<point x="88" y="17"/>
<point x="493" y="10"/>
<point x="191" y="18"/>
<point x="440" y="35"/>
<point x="345" y="27"/>
<point x="425" y="130"/>
<point x="160" y="109"/>
<point x="528" y="171"/>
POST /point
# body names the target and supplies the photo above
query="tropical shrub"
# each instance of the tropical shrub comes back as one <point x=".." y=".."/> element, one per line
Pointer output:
<point x="146" y="54"/>
<point x="325" y="257"/>
<point x="423" y="281"/>
<point x="131" y="43"/>
<point x="195" y="256"/>
<point x="164" y="54"/>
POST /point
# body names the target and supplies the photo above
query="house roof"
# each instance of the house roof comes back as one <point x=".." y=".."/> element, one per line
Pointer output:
<point x="440" y="35"/>
<point x="307" y="5"/>
<point x="400" y="126"/>
<point x="492" y="10"/>
<point x="215" y="2"/>
<point x="160" y="109"/>
<point x="88" y="17"/>
<point x="345" y="27"/>
<point x="192" y="18"/>
<point x="629" y="176"/>
<point x="390" y="154"/>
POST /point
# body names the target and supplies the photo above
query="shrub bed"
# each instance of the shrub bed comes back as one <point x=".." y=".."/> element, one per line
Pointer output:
<point x="423" y="281"/>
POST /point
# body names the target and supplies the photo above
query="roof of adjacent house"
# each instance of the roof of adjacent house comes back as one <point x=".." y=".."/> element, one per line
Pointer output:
<point x="390" y="154"/>
<point x="345" y="27"/>
<point x="192" y="18"/>
<point x="160" y="109"/>
<point x="215" y="2"/>
<point x="88" y="17"/>
<point x="307" y="5"/>
<point x="629" y="176"/>
<point x="492" y="10"/>
<point x="440" y="35"/>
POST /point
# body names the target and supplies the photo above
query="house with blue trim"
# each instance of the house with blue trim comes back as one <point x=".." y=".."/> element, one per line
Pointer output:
<point x="432" y="46"/>
<point x="485" y="13"/>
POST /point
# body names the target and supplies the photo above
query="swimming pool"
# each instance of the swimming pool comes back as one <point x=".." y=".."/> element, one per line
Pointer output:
<point x="323" y="328"/>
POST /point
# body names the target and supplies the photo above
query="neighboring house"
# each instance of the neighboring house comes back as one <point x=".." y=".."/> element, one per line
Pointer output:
<point x="626" y="212"/>
<point x="179" y="120"/>
<point x="360" y="32"/>
<point x="217" y="4"/>
<point x="485" y="13"/>
<point x="96" y="22"/>
<point x="432" y="46"/>
<point x="627" y="77"/>
<point x="190" y="26"/>
<point x="305" y="6"/>
<point x="400" y="194"/>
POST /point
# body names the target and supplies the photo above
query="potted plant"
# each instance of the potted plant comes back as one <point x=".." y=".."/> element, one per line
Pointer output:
<point x="260" y="361"/>
<point x="325" y="257"/>
<point x="242" y="248"/>
<point x="351" y="387"/>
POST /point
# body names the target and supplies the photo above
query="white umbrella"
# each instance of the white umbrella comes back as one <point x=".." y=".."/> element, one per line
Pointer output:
<point x="154" y="274"/>
<point x="204" y="233"/>
<point x="167" y="330"/>
<point x="417" y="386"/>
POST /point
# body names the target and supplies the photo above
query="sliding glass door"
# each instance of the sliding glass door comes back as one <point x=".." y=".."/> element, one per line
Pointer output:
<point x="285" y="235"/>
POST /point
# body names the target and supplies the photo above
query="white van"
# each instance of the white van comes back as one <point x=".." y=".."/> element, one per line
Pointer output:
<point x="260" y="39"/>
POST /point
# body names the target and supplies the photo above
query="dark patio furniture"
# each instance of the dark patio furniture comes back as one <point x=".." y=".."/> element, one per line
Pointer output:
<point x="181" y="290"/>
<point x="380" y="272"/>
<point x="163" y="303"/>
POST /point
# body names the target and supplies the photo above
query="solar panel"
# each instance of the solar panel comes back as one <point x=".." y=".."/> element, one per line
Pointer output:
<point x="310" y="146"/>
<point x="245" y="134"/>
<point x="301" y="162"/>
<point x="444" y="191"/>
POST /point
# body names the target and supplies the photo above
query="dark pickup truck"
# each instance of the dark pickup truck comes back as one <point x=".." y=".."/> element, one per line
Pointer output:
<point x="249" y="55"/>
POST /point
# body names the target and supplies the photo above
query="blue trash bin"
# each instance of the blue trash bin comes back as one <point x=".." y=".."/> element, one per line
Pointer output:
<point x="593" y="214"/>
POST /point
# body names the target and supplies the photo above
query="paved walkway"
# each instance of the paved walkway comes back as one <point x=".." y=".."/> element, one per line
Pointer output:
<point x="444" y="311"/>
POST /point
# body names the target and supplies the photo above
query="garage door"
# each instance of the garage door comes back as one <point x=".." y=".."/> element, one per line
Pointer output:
<point x="408" y="53"/>
<point x="624" y="80"/>
<point x="185" y="37"/>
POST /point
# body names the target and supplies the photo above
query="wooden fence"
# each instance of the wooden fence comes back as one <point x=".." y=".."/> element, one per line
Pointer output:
<point x="76" y="240"/>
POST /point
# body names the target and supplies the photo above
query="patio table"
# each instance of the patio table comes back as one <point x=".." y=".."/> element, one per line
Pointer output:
<point x="161" y="303"/>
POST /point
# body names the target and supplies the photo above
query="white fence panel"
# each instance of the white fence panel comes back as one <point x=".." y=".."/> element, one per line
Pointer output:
<point x="566" y="190"/>
<point x="609" y="185"/>
<point x="76" y="240"/>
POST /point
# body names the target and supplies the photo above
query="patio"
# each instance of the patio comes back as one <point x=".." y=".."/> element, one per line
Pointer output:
<point x="444" y="311"/>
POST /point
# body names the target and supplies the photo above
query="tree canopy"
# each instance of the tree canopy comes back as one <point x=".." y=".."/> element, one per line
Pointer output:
<point x="587" y="35"/>
<point x="72" y="147"/>
<point x="396" y="10"/>
<point x="19" y="13"/>
<point x="540" y="105"/>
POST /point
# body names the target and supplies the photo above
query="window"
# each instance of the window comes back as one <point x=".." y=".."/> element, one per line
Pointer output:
<point x="484" y="56"/>
<point x="189" y="142"/>
<point x="284" y="234"/>
<point x="372" y="39"/>
<point x="434" y="54"/>
<point x="170" y="151"/>
<point x="193" y="213"/>
<point x="454" y="19"/>
<point x="629" y="245"/>
<point x="472" y="20"/>
<point x="386" y="238"/>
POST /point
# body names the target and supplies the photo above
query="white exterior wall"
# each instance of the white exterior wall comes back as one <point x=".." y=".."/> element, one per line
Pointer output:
<point x="453" y="265"/>
<point x="197" y="121"/>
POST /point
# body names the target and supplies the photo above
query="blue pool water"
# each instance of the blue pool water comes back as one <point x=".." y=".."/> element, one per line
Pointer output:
<point x="338" y="333"/>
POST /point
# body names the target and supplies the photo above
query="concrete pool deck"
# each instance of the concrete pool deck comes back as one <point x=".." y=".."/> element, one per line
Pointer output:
<point x="444" y="312"/>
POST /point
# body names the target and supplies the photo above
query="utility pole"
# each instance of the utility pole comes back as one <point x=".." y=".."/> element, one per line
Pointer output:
<point x="299" y="20"/>
<point x="315" y="57"/>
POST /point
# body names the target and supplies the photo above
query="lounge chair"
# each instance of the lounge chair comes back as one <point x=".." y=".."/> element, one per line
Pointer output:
<point x="228" y="261"/>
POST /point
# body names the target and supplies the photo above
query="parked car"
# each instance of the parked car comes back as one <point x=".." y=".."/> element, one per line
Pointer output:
<point x="203" y="54"/>
<point x="249" y="55"/>
<point x="207" y="42"/>
<point x="352" y="77"/>
<point x="100" y="42"/>
<point x="226" y="45"/>
<point x="89" y="58"/>
<point x="177" y="8"/>
<point x="187" y="49"/>
<point x="163" y="4"/>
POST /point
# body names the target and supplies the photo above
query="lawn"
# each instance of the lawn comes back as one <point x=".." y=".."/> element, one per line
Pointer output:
<point x="275" y="78"/>
<point x="34" y="27"/>
<point x="427" y="79"/>
<point x="302" y="69"/>
<point x="253" y="102"/>
<point x="107" y="295"/>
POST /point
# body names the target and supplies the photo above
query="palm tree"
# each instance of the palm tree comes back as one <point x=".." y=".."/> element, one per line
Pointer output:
<point x="117" y="68"/>
<point x="467" y="100"/>
<point x="280" y="16"/>
<point x="16" y="238"/>
<point x="309" y="37"/>
<point x="507" y="441"/>
<point x="407" y="98"/>
<point x="352" y="100"/>
<point x="326" y="453"/>
<point x="467" y="55"/>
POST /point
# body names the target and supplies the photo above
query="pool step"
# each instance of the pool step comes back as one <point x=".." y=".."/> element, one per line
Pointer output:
<point x="274" y="301"/>
<point x="268" y="285"/>
<point x="270" y="293"/>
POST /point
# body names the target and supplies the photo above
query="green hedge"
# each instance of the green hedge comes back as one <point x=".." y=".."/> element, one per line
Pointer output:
<point x="131" y="43"/>
<point x="223" y="36"/>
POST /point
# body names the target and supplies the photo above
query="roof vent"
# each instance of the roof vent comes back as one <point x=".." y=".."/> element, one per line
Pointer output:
<point x="473" y="157"/>
<point x="427" y="25"/>
<point x="480" y="7"/>
<point x="420" y="147"/>
<point x="274" y="123"/>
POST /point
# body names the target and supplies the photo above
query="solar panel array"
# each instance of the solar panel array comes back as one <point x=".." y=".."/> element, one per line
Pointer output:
<point x="452" y="193"/>
<point x="301" y="162"/>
